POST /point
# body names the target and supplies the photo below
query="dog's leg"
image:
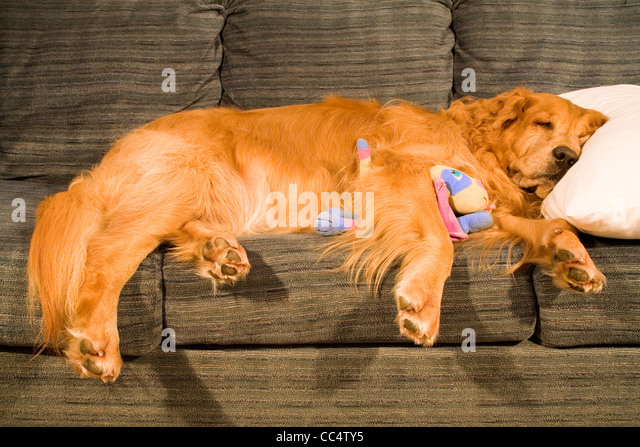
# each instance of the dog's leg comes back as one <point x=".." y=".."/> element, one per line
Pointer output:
<point x="113" y="256"/>
<point x="556" y="247"/>
<point x="408" y="226"/>
<point x="92" y="344"/>
<point x="419" y="288"/>
<point x="216" y="255"/>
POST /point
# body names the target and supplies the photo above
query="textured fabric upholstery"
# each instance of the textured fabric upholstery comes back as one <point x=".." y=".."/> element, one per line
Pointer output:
<point x="609" y="318"/>
<point x="280" y="53"/>
<point x="76" y="76"/>
<point x="354" y="386"/>
<point x="140" y="308"/>
<point x="551" y="46"/>
<point x="292" y="297"/>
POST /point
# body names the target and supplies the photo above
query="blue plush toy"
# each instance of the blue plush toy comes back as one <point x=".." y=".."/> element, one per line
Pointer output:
<point x="333" y="220"/>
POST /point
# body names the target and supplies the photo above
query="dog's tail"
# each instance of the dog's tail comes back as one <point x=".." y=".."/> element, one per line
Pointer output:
<point x="65" y="223"/>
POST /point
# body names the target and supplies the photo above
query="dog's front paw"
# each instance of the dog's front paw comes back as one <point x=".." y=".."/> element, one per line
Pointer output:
<point x="417" y="320"/>
<point x="95" y="355"/>
<point x="572" y="267"/>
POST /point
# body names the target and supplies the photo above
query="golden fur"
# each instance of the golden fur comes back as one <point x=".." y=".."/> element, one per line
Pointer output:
<point x="198" y="178"/>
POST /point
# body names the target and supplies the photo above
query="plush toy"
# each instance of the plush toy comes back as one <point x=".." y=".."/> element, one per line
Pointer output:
<point x="364" y="154"/>
<point x="335" y="220"/>
<point x="463" y="202"/>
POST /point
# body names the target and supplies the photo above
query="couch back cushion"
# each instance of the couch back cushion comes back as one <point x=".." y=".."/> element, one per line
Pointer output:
<point x="548" y="45"/>
<point x="74" y="76"/>
<point x="278" y="53"/>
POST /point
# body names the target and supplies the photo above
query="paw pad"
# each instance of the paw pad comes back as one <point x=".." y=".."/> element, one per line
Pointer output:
<point x="572" y="267"/>
<point x="225" y="259"/>
<point x="578" y="274"/>
<point x="404" y="303"/>
<point x="563" y="256"/>
<point x="91" y="366"/>
<point x="411" y="326"/>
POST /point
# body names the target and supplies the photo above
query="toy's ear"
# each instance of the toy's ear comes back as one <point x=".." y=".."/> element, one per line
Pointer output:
<point x="436" y="171"/>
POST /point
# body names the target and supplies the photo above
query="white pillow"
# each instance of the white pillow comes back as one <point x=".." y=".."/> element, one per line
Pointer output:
<point x="600" y="194"/>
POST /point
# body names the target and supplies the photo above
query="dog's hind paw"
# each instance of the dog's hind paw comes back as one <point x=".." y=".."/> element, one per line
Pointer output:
<point x="224" y="259"/>
<point x="96" y="357"/>
<point x="418" y="324"/>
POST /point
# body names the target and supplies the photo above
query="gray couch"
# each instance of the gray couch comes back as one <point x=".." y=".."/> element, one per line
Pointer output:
<point x="296" y="344"/>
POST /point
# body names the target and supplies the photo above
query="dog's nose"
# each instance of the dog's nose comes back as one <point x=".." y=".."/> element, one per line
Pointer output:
<point x="565" y="157"/>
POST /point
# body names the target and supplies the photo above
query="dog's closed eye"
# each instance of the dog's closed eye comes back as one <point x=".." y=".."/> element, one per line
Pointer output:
<point x="544" y="123"/>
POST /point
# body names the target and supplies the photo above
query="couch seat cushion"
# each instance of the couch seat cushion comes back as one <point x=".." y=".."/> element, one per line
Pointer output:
<point x="140" y="308"/>
<point x="355" y="386"/>
<point x="289" y="297"/>
<point x="609" y="318"/>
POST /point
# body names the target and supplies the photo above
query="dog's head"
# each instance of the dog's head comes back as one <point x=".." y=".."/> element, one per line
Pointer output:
<point x="538" y="136"/>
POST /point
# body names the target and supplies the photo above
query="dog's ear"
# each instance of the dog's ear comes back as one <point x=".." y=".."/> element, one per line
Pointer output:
<point x="497" y="113"/>
<point x="593" y="120"/>
<point x="509" y="107"/>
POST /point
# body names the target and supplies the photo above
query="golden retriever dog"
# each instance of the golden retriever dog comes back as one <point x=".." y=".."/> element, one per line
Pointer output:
<point x="196" y="179"/>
